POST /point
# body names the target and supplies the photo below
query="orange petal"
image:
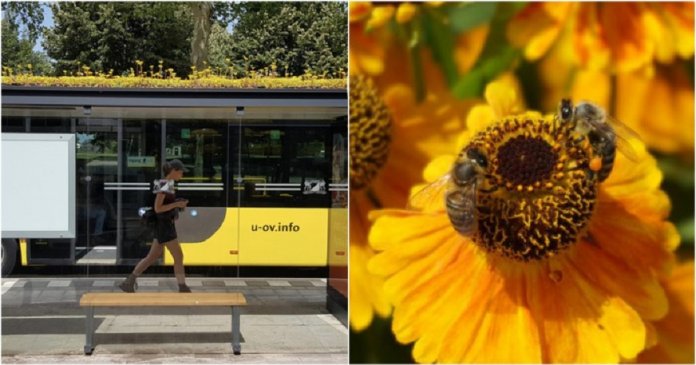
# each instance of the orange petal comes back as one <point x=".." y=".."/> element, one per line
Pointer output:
<point x="434" y="296"/>
<point x="583" y="323"/>
<point x="594" y="86"/>
<point x="624" y="32"/>
<point x="469" y="46"/>
<point x="675" y="332"/>
<point x="643" y="244"/>
<point x="643" y="292"/>
<point x="359" y="10"/>
<point x="536" y="27"/>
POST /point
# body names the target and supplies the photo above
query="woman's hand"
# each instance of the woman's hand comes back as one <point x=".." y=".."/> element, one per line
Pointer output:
<point x="181" y="203"/>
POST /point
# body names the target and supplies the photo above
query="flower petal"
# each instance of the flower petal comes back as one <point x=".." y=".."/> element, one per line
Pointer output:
<point x="676" y="331"/>
<point x="643" y="244"/>
<point x="393" y="227"/>
<point x="365" y="290"/>
<point x="503" y="97"/>
<point x="536" y="27"/>
<point x="643" y="292"/>
<point x="580" y="322"/>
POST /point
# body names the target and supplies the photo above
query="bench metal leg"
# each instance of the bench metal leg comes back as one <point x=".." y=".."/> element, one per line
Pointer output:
<point x="89" y="330"/>
<point x="236" y="346"/>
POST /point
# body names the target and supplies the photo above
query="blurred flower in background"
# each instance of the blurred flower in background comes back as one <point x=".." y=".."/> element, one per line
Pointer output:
<point x="615" y="54"/>
<point x="385" y="107"/>
<point x="430" y="64"/>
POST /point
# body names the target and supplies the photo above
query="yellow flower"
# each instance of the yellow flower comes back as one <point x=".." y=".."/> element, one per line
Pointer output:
<point x="366" y="54"/>
<point x="617" y="37"/>
<point x="655" y="101"/>
<point x="385" y="160"/>
<point x="386" y="157"/>
<point x="556" y="266"/>
<point x="675" y="332"/>
<point x="365" y="294"/>
<point x="659" y="106"/>
<point x="405" y="12"/>
<point x="371" y="41"/>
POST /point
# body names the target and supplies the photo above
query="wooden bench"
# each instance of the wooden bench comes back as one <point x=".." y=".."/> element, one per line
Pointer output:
<point x="91" y="300"/>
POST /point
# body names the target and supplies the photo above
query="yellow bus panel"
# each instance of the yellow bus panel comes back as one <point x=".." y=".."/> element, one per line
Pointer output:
<point x="283" y="236"/>
<point x="263" y="236"/>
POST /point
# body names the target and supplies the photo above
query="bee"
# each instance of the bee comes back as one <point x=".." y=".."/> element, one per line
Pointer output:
<point x="605" y="134"/>
<point x="461" y="186"/>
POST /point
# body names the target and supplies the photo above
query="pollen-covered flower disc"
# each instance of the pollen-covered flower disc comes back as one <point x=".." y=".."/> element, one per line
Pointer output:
<point x="538" y="194"/>
<point x="558" y="267"/>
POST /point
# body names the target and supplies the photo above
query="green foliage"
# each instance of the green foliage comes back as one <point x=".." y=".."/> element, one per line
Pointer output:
<point x="438" y="29"/>
<point x="441" y="38"/>
<point x="497" y="55"/>
<point x="24" y="13"/>
<point x="377" y="345"/>
<point x="111" y="36"/>
<point x="284" y="39"/>
<point x="678" y="182"/>
<point x="466" y="16"/>
<point x="18" y="52"/>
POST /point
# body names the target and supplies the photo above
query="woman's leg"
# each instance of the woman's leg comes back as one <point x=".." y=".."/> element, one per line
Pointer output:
<point x="152" y="256"/>
<point x="178" y="256"/>
<point x="129" y="284"/>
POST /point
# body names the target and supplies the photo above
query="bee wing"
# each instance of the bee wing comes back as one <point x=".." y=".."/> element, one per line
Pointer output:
<point x="623" y="134"/>
<point x="431" y="196"/>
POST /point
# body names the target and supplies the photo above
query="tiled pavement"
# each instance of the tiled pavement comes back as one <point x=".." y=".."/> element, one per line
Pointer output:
<point x="286" y="319"/>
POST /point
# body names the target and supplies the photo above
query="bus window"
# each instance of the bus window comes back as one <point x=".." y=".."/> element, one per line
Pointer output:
<point x="285" y="166"/>
<point x="202" y="146"/>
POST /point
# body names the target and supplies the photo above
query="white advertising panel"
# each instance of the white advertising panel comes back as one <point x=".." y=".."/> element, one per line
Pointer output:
<point x="38" y="185"/>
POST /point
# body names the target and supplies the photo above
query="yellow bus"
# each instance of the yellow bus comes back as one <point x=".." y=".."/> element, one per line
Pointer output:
<point x="267" y="182"/>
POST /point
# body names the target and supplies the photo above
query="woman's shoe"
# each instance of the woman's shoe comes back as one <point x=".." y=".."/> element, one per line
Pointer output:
<point x="183" y="288"/>
<point x="129" y="285"/>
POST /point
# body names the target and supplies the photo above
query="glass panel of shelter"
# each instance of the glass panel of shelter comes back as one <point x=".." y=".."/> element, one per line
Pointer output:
<point x="97" y="206"/>
<point x="140" y="164"/>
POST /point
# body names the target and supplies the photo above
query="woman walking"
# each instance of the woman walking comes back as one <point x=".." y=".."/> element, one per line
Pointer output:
<point x="167" y="209"/>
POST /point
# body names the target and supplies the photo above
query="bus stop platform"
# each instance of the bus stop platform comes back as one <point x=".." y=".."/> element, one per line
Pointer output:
<point x="286" y="321"/>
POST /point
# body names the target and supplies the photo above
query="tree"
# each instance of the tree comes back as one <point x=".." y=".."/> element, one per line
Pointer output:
<point x="18" y="53"/>
<point x="202" y="22"/>
<point x="28" y="14"/>
<point x="112" y="36"/>
<point x="292" y="37"/>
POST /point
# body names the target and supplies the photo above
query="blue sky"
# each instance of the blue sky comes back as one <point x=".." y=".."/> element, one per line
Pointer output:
<point x="48" y="22"/>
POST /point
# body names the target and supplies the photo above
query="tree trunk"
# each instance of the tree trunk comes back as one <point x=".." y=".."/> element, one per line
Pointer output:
<point x="202" y="23"/>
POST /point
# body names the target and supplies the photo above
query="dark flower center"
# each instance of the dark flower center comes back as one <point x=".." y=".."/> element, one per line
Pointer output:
<point x="525" y="160"/>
